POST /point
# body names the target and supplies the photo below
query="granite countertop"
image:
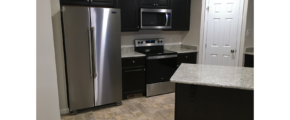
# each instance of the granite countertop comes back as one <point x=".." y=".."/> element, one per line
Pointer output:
<point x="216" y="76"/>
<point x="129" y="52"/>
<point x="180" y="48"/>
<point x="249" y="51"/>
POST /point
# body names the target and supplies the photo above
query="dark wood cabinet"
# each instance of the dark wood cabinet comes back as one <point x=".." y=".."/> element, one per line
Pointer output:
<point x="103" y="3"/>
<point x="133" y="81"/>
<point x="97" y="3"/>
<point x="180" y="15"/>
<point x="155" y="3"/>
<point x="75" y="2"/>
<point x="186" y="58"/>
<point x="129" y="15"/>
<point x="197" y="102"/>
<point x="249" y="61"/>
<point x="133" y="76"/>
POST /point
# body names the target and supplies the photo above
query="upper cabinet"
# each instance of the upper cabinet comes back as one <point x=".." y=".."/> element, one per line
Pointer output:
<point x="98" y="3"/>
<point x="154" y="4"/>
<point x="180" y="15"/>
<point x="105" y="3"/>
<point x="129" y="15"/>
<point x="75" y="2"/>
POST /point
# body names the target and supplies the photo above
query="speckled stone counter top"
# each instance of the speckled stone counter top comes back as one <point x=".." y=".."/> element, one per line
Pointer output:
<point x="216" y="76"/>
<point x="249" y="51"/>
<point x="129" y="52"/>
<point x="179" y="48"/>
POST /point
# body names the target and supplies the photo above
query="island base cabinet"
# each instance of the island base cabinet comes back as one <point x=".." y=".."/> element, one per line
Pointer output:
<point x="194" y="102"/>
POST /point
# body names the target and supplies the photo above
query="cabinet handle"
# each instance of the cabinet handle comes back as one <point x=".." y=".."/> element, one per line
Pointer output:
<point x="137" y="26"/>
<point x="133" y="61"/>
<point x="192" y="92"/>
<point x="186" y="56"/>
<point x="156" y="4"/>
<point x="144" y="69"/>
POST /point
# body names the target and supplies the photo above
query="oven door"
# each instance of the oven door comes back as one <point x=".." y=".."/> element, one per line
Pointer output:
<point x="160" y="68"/>
<point x="155" y="18"/>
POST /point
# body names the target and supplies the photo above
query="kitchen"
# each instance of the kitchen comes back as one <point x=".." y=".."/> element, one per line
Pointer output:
<point x="183" y="43"/>
<point x="133" y="76"/>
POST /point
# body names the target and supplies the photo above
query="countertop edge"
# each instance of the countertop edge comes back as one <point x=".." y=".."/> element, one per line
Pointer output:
<point x="215" y="85"/>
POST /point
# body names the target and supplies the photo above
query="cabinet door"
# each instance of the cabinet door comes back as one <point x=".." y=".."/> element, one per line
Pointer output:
<point x="147" y="3"/>
<point x="180" y="15"/>
<point x="249" y="61"/>
<point x="133" y="80"/>
<point x="75" y="2"/>
<point x="162" y="3"/>
<point x="103" y="3"/>
<point x="129" y="15"/>
<point x="187" y="57"/>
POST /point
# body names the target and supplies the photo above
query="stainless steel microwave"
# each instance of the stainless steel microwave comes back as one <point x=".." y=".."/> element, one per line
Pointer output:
<point x="155" y="18"/>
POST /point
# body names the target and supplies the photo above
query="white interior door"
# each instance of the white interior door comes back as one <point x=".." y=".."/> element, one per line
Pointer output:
<point x="222" y="33"/>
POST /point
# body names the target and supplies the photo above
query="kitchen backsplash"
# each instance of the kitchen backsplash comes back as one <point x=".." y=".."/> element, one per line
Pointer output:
<point x="170" y="37"/>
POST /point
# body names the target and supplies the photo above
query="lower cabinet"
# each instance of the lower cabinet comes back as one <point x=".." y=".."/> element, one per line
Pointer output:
<point x="249" y="61"/>
<point x="186" y="58"/>
<point x="133" y="76"/>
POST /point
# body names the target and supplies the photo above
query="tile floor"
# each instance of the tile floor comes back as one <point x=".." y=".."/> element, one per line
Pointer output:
<point x="152" y="108"/>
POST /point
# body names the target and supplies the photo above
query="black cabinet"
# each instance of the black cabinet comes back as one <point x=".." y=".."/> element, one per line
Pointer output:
<point x="155" y="3"/>
<point x="180" y="15"/>
<point x="75" y="2"/>
<point x="186" y="58"/>
<point x="249" y="61"/>
<point x="133" y="76"/>
<point x="98" y="3"/>
<point x="197" y="102"/>
<point x="129" y="15"/>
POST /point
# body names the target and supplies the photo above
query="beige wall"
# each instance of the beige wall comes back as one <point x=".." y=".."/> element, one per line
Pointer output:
<point x="46" y="84"/>
<point x="249" y="40"/>
<point x="192" y="37"/>
<point x="59" y="55"/>
<point x="127" y="38"/>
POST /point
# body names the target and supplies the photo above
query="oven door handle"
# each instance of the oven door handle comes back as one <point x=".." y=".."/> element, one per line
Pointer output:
<point x="161" y="57"/>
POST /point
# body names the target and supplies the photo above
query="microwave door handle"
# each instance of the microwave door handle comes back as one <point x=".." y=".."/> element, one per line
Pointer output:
<point x="166" y="15"/>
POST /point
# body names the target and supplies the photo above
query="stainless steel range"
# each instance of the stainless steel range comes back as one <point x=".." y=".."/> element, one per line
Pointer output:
<point x="160" y="65"/>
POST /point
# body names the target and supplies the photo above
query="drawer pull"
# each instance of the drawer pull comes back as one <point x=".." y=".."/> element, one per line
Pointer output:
<point x="133" y="61"/>
<point x="186" y="56"/>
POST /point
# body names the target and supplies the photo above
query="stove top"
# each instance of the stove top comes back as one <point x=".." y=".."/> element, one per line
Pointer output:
<point x="163" y="52"/>
<point x="153" y="46"/>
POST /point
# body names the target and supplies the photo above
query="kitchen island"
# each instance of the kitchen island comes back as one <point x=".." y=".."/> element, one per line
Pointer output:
<point x="210" y="92"/>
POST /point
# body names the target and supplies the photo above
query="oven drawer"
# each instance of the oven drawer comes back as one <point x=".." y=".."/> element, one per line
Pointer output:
<point x="187" y="57"/>
<point x="133" y="61"/>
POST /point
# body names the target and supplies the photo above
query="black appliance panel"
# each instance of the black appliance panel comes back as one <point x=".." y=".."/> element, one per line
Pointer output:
<point x="160" y="70"/>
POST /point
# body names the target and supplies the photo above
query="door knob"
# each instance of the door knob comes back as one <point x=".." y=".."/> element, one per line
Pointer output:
<point x="232" y="51"/>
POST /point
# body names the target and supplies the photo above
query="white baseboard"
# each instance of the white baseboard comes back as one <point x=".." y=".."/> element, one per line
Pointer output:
<point x="64" y="111"/>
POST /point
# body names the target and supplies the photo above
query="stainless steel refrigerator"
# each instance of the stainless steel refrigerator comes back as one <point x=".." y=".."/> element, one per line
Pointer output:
<point x="93" y="56"/>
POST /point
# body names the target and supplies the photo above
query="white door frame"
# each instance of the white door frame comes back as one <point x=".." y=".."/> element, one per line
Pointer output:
<point x="240" y="40"/>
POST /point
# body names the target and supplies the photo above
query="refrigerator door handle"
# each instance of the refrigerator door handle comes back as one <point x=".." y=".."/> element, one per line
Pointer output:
<point x="90" y="52"/>
<point x="94" y="54"/>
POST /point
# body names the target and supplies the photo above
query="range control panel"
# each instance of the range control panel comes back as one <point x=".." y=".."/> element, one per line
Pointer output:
<point x="149" y="42"/>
